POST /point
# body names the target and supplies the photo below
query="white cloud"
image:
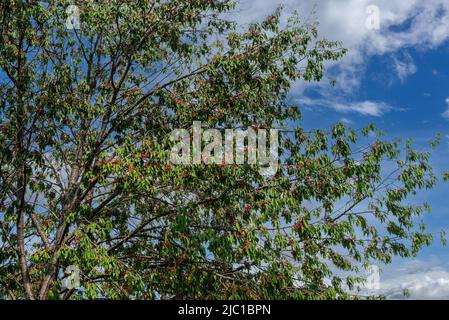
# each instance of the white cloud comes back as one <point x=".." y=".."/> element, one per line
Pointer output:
<point x="421" y="283"/>
<point x="367" y="108"/>
<point x="407" y="24"/>
<point x="446" y="113"/>
<point x="370" y="108"/>
<point x="346" y="120"/>
<point x="404" y="68"/>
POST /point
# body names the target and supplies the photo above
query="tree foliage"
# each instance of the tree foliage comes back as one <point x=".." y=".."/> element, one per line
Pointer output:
<point x="85" y="117"/>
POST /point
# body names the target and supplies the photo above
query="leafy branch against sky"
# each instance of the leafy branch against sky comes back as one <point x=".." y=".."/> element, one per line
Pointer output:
<point x="206" y="149"/>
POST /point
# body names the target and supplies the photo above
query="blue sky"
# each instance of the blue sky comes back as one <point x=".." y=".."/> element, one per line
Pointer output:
<point x="396" y="76"/>
<point x="417" y="104"/>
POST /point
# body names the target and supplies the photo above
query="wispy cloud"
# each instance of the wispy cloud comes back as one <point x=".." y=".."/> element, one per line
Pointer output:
<point x="345" y="120"/>
<point x="446" y="113"/>
<point x="405" y="67"/>
<point x="367" y="108"/>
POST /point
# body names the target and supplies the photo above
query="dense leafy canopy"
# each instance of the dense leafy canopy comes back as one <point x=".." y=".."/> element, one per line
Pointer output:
<point x="85" y="180"/>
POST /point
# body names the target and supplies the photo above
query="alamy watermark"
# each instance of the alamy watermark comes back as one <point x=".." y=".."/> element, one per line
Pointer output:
<point x="228" y="148"/>
<point x="72" y="278"/>
<point x="73" y="18"/>
<point x="372" y="22"/>
<point x="373" y="278"/>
